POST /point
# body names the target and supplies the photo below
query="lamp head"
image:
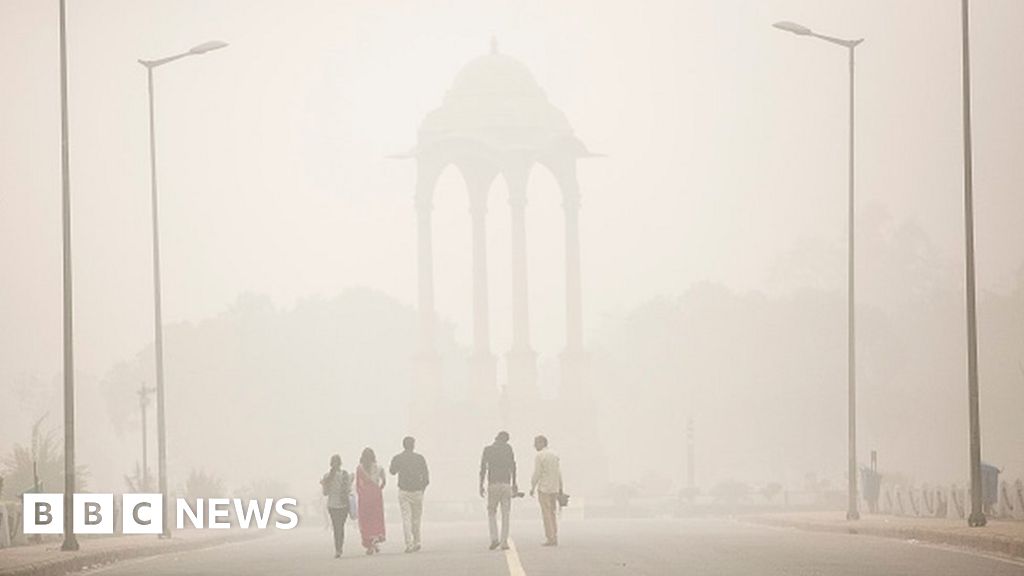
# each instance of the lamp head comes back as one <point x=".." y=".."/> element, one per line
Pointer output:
<point x="793" y="27"/>
<point x="207" y="47"/>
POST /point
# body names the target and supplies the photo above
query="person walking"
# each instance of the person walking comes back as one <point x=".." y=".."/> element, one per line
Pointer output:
<point x="337" y="486"/>
<point x="498" y="469"/>
<point x="547" y="485"/>
<point x="413" y="479"/>
<point x="370" y="482"/>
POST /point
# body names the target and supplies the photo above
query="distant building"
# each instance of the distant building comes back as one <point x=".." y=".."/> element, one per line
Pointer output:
<point x="495" y="120"/>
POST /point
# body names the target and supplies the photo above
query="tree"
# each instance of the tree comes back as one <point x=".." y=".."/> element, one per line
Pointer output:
<point x="203" y="485"/>
<point x="39" y="467"/>
<point x="730" y="492"/>
<point x="136" y="481"/>
<point x="771" y="490"/>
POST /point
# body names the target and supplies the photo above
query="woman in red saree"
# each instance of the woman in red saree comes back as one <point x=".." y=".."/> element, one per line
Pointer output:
<point x="370" y="481"/>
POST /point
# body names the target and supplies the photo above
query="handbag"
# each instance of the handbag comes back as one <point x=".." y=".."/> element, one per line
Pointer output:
<point x="353" y="502"/>
<point x="353" y="506"/>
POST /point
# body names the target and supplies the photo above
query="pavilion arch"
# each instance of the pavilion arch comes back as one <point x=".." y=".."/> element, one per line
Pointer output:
<point x="496" y="120"/>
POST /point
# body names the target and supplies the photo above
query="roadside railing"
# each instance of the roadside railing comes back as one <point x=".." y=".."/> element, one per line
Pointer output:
<point x="951" y="501"/>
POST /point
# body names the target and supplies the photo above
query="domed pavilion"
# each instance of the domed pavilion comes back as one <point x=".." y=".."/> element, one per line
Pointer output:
<point x="496" y="120"/>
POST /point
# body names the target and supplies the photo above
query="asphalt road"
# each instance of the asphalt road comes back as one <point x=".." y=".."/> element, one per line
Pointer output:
<point x="598" y="548"/>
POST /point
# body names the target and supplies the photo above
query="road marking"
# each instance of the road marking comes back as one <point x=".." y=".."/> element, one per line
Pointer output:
<point x="118" y="564"/>
<point x="515" y="568"/>
<point x="965" y="550"/>
<point x="968" y="551"/>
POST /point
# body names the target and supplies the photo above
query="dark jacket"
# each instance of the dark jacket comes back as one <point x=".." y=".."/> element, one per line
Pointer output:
<point x="498" y="464"/>
<point x="411" y="468"/>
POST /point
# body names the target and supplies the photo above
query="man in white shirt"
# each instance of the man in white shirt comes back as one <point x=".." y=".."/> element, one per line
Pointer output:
<point x="547" y="484"/>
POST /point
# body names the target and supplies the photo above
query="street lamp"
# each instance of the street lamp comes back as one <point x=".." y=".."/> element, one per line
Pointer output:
<point x="158" y="319"/>
<point x="70" y="541"/>
<point x="851" y="513"/>
<point x="977" y="517"/>
<point x="144" y="393"/>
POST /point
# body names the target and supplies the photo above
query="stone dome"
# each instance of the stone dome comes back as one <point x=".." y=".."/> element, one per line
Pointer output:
<point x="495" y="74"/>
<point x="495" y="101"/>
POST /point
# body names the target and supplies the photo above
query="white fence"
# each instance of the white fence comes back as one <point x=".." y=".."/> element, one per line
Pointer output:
<point x="950" y="501"/>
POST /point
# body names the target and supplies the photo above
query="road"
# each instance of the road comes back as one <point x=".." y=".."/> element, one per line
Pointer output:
<point x="597" y="548"/>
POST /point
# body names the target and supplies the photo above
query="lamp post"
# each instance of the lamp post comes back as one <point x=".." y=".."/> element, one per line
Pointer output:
<point x="144" y="393"/>
<point x="158" y="319"/>
<point x="977" y="517"/>
<point x="850" y="45"/>
<point x="70" y="541"/>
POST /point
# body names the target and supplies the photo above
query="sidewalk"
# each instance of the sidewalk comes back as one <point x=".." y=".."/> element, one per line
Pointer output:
<point x="47" y="559"/>
<point x="998" y="537"/>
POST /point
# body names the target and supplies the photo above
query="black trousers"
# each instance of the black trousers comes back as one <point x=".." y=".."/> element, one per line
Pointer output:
<point x="338" y="518"/>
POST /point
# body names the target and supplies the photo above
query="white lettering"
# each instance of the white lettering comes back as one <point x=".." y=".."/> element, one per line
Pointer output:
<point x="184" y="509"/>
<point x="218" y="508"/>
<point x="280" y="508"/>
<point x="245" y="515"/>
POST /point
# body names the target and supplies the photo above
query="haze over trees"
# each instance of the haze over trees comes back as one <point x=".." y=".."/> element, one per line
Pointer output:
<point x="757" y="371"/>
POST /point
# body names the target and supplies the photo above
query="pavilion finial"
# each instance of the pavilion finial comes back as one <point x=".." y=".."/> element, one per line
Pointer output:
<point x="494" y="45"/>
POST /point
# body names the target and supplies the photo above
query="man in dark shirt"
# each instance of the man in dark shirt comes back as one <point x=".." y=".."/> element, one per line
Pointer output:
<point x="413" y="478"/>
<point x="498" y="468"/>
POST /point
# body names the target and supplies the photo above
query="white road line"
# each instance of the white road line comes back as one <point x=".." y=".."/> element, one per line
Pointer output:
<point x="933" y="545"/>
<point x="515" y="568"/>
<point x="968" y="551"/>
<point x="119" y="564"/>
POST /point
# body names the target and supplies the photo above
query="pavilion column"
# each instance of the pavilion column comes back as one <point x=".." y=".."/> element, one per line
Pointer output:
<point x="483" y="361"/>
<point x="572" y="357"/>
<point x="522" y="361"/>
<point x="427" y="386"/>
<point x="425" y="266"/>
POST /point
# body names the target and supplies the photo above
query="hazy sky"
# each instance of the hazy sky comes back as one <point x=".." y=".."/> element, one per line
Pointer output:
<point x="725" y="143"/>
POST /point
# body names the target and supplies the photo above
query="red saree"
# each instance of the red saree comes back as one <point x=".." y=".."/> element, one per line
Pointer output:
<point x="371" y="506"/>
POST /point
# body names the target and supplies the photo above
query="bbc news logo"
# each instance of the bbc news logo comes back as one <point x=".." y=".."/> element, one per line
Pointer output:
<point x="144" y="513"/>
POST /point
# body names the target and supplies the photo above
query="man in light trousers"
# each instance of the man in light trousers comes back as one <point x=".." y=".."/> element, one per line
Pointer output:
<point x="547" y="484"/>
<point x="413" y="479"/>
